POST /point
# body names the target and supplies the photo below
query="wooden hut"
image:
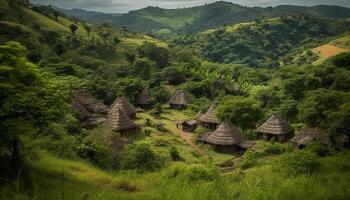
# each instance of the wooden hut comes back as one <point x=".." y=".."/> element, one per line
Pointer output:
<point x="120" y="122"/>
<point x="309" y="135"/>
<point x="82" y="112"/>
<point x="209" y="119"/>
<point x="226" y="137"/>
<point x="276" y="128"/>
<point x="180" y="100"/>
<point x="189" y="125"/>
<point x="143" y="100"/>
<point x="124" y="105"/>
<point x="89" y="102"/>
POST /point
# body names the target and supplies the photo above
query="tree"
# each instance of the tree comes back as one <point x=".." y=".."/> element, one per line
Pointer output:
<point x="318" y="104"/>
<point x="242" y="111"/>
<point x="29" y="100"/>
<point x="73" y="28"/>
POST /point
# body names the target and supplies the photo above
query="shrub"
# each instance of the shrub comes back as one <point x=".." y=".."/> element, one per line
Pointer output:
<point x="299" y="162"/>
<point x="200" y="172"/>
<point x="97" y="154"/>
<point x="249" y="160"/>
<point x="274" y="149"/>
<point x="318" y="149"/>
<point x="174" y="153"/>
<point x="141" y="158"/>
<point x="147" y="131"/>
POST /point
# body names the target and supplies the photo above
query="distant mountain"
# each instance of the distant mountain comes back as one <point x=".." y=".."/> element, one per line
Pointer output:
<point x="167" y="22"/>
<point x="90" y="16"/>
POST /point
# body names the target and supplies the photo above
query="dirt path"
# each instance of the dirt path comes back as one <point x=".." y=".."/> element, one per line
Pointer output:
<point x="328" y="50"/>
<point x="187" y="137"/>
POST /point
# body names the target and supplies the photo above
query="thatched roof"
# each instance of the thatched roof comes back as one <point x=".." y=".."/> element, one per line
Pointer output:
<point x="210" y="115"/>
<point x="80" y="109"/>
<point x="180" y="98"/>
<point x="92" y="121"/>
<point x="276" y="125"/>
<point x="144" y="97"/>
<point x="119" y="121"/>
<point x="307" y="135"/>
<point x="246" y="144"/>
<point x="198" y="115"/>
<point x="124" y="105"/>
<point x="86" y="99"/>
<point x="226" y="134"/>
<point x="189" y="122"/>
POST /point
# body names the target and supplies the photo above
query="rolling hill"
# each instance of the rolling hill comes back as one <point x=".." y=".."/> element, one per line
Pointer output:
<point x="263" y="42"/>
<point x="169" y="22"/>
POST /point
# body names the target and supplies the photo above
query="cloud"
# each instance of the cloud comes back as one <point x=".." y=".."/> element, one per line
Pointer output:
<point x="127" y="5"/>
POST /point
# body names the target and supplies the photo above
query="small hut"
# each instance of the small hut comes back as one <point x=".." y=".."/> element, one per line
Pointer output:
<point x="121" y="122"/>
<point x="209" y="119"/>
<point x="225" y="138"/>
<point x="143" y="100"/>
<point x="180" y="100"/>
<point x="93" y="105"/>
<point x="276" y="128"/>
<point x="92" y="121"/>
<point x="124" y="105"/>
<point x="189" y="125"/>
<point x="80" y="109"/>
<point x="308" y="135"/>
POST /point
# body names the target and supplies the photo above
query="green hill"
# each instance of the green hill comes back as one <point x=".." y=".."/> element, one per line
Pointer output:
<point x="169" y="22"/>
<point x="263" y="42"/>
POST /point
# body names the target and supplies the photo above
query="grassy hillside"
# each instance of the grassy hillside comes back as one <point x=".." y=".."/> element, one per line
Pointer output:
<point x="263" y="42"/>
<point x="170" y="22"/>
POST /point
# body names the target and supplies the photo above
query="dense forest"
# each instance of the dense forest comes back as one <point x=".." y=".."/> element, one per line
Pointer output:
<point x="62" y="80"/>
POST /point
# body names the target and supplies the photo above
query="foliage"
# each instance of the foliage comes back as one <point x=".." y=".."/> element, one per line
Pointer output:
<point x="299" y="162"/>
<point x="242" y="111"/>
<point x="174" y="153"/>
<point x="141" y="158"/>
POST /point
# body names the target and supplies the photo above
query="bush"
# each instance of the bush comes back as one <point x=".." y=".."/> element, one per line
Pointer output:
<point x="274" y="149"/>
<point x="97" y="154"/>
<point x="318" y="149"/>
<point x="249" y="160"/>
<point x="141" y="158"/>
<point x="174" y="153"/>
<point x="299" y="162"/>
<point x="193" y="173"/>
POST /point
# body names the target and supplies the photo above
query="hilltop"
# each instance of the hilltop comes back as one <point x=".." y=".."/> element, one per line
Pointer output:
<point x="169" y="22"/>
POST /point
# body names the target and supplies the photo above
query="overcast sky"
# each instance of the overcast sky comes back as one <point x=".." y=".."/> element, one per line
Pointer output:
<point x="127" y="5"/>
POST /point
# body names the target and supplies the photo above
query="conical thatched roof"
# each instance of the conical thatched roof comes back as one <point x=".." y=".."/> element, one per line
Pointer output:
<point x="86" y="99"/>
<point x="124" y="105"/>
<point x="210" y="115"/>
<point x="143" y="98"/>
<point x="226" y="134"/>
<point x="276" y="125"/>
<point x="180" y="98"/>
<point x="119" y="121"/>
<point x="198" y="115"/>
<point x="315" y="134"/>
<point x="80" y="109"/>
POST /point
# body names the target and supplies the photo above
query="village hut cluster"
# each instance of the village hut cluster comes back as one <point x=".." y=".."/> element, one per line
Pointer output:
<point x="119" y="116"/>
<point x="223" y="136"/>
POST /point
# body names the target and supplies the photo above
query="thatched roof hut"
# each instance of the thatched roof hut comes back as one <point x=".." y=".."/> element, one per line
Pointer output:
<point x="120" y="122"/>
<point x="209" y="119"/>
<point x="124" y="105"/>
<point x="180" y="100"/>
<point x="93" y="105"/>
<point x="92" y="121"/>
<point x="143" y="99"/>
<point x="189" y="125"/>
<point x="198" y="115"/>
<point x="308" y="135"/>
<point x="276" y="126"/>
<point x="80" y="109"/>
<point x="226" y="135"/>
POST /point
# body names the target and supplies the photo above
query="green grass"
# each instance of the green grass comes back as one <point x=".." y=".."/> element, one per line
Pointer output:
<point x="56" y="178"/>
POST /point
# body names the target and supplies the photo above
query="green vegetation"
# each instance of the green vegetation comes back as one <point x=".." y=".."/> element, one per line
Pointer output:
<point x="45" y="57"/>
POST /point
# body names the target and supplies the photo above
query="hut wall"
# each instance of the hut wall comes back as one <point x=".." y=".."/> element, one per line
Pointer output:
<point x="189" y="128"/>
<point x="226" y="149"/>
<point x="209" y="126"/>
<point x="178" y="107"/>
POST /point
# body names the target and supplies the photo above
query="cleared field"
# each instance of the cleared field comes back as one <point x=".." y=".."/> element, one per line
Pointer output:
<point x="328" y="50"/>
